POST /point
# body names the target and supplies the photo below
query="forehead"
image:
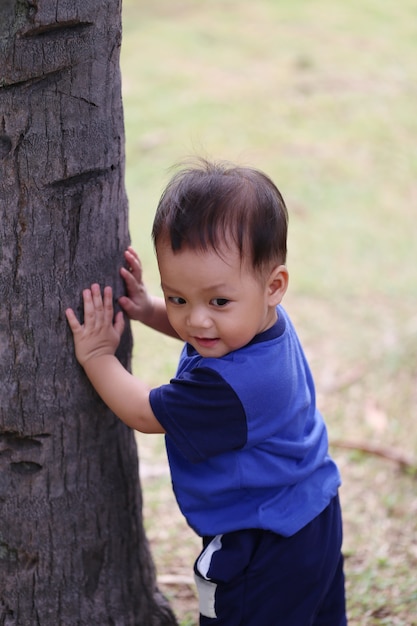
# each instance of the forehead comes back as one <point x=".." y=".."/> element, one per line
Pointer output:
<point x="211" y="266"/>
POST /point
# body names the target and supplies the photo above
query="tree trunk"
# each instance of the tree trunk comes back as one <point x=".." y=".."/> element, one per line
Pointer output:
<point x="72" y="546"/>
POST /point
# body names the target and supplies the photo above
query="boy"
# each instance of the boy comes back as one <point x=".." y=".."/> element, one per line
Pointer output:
<point x="247" y="448"/>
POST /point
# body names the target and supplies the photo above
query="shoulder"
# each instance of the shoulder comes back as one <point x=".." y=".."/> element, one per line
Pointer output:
<point x="201" y="413"/>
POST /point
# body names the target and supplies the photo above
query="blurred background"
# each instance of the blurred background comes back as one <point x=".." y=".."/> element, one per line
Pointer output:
<point x="322" y="96"/>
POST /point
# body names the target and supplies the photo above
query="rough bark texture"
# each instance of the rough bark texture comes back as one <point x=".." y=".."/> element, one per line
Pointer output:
<point x="72" y="546"/>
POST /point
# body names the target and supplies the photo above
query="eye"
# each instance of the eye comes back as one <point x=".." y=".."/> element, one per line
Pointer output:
<point x="176" y="300"/>
<point x="219" y="302"/>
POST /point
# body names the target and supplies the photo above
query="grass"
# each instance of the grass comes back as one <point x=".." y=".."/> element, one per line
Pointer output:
<point x="321" y="95"/>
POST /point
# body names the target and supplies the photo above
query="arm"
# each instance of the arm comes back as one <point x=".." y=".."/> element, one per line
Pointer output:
<point x="139" y="304"/>
<point x="95" y="344"/>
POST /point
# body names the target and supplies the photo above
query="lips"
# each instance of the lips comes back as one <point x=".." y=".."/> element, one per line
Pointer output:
<point x="206" y="342"/>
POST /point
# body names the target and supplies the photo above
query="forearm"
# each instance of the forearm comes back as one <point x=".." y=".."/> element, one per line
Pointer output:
<point x="125" y="395"/>
<point x="157" y="318"/>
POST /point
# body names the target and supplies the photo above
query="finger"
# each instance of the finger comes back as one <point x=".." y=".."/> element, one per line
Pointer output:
<point x="133" y="261"/>
<point x="97" y="301"/>
<point x="108" y="305"/>
<point x="73" y="322"/>
<point x="133" y="252"/>
<point x="89" y="312"/>
<point x="128" y="306"/>
<point x="119" y="323"/>
<point x="131" y="278"/>
<point x="130" y="256"/>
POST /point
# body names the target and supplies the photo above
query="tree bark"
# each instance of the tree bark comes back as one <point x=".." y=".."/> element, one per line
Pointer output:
<point x="72" y="545"/>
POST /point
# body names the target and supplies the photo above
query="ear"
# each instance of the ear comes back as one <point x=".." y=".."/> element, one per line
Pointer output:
<point x="277" y="285"/>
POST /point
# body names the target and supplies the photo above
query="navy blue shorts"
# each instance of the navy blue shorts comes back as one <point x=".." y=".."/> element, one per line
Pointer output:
<point x="259" y="578"/>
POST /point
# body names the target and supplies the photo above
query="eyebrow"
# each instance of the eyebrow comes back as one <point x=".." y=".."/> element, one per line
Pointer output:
<point x="215" y="287"/>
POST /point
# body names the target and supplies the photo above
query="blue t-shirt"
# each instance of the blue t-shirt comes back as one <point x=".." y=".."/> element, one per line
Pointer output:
<point x="246" y="444"/>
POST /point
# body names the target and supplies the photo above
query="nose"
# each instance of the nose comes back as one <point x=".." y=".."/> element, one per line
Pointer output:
<point x="198" y="317"/>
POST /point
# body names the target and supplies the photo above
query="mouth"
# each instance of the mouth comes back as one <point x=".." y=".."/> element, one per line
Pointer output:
<point x="205" y="342"/>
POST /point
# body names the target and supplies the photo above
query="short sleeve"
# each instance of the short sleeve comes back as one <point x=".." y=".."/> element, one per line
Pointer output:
<point x="201" y="414"/>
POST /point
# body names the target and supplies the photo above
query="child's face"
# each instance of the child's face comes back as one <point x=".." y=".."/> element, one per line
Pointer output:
<point x="214" y="301"/>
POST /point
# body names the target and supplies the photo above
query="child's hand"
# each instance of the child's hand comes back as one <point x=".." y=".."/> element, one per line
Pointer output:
<point x="138" y="304"/>
<point x="98" y="335"/>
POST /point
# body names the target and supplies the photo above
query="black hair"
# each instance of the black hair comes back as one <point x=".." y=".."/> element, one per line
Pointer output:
<point x="208" y="204"/>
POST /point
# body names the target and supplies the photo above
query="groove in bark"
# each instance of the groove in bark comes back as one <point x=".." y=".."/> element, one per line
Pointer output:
<point x="61" y="29"/>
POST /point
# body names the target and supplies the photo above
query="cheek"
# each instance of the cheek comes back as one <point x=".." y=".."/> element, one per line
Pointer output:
<point x="234" y="329"/>
<point x="245" y="323"/>
<point x="176" y="319"/>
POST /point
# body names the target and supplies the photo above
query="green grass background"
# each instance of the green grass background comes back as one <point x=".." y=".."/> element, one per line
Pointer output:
<point x="321" y="95"/>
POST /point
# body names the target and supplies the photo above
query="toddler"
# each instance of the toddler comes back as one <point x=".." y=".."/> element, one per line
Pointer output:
<point x="247" y="446"/>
